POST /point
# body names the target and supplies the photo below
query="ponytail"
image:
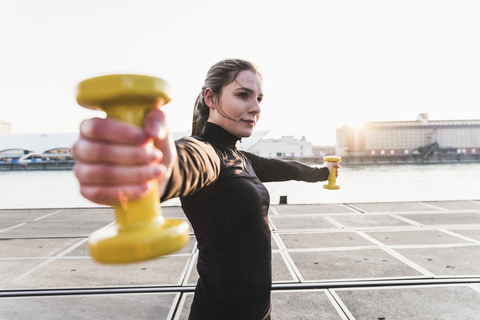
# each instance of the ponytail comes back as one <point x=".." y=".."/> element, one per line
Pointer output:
<point x="200" y="115"/>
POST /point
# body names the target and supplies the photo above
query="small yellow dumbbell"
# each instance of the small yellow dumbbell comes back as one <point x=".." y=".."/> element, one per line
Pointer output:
<point x="332" y="178"/>
<point x="140" y="231"/>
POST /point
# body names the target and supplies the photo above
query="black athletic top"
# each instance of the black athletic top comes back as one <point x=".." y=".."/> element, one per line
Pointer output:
<point x="222" y="195"/>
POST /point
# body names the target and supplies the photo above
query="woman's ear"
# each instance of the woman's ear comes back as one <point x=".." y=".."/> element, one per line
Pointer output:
<point x="209" y="98"/>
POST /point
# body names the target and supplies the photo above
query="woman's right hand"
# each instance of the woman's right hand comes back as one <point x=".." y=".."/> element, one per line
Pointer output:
<point x="116" y="161"/>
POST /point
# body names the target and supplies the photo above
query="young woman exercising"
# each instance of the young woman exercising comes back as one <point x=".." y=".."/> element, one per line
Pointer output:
<point x="220" y="187"/>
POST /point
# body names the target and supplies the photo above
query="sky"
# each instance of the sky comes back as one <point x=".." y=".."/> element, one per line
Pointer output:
<point x="324" y="63"/>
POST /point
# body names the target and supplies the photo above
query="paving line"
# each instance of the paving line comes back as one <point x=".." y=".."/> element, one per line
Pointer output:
<point x="180" y="305"/>
<point x="434" y="246"/>
<point x="278" y="240"/>
<point x="291" y="266"/>
<point x="433" y="206"/>
<point x="174" y="306"/>
<point x="397" y="255"/>
<point x="48" y="215"/>
<point x="412" y="222"/>
<point x="475" y="287"/>
<point x="294" y="272"/>
<point x="272" y="225"/>
<point x="336" y="305"/>
<point x="459" y="236"/>
<point x="328" y="249"/>
<point x="334" y="222"/>
<point x="23" y="258"/>
<point x="189" y="268"/>
<point x="341" y="305"/>
<point x="351" y="206"/>
<point x="64" y="252"/>
<point x="13" y="227"/>
<point x="274" y="211"/>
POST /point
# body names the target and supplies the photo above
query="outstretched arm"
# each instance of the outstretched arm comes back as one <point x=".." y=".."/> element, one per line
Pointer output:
<point x="270" y="170"/>
<point x="117" y="161"/>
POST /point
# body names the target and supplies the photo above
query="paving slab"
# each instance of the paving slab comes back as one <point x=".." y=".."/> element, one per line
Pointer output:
<point x="448" y="261"/>
<point x="184" y="307"/>
<point x="393" y="207"/>
<point x="26" y="248"/>
<point x="84" y="272"/>
<point x="313" y="209"/>
<point x="193" y="276"/>
<point x="303" y="304"/>
<point x="471" y="233"/>
<point x="55" y="229"/>
<point x="91" y="214"/>
<point x="11" y="269"/>
<point x="455" y="205"/>
<point x="173" y="212"/>
<point x="274" y="243"/>
<point x="280" y="271"/>
<point x="350" y="264"/>
<point x="90" y="307"/>
<point x="414" y="237"/>
<point x="373" y="220"/>
<point x="426" y="303"/>
<point x="323" y="240"/>
<point x="300" y="223"/>
<point x="23" y="215"/>
<point x="445" y="218"/>
<point x="5" y="226"/>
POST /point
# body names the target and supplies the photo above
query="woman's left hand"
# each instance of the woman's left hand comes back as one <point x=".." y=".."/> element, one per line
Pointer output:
<point x="331" y="165"/>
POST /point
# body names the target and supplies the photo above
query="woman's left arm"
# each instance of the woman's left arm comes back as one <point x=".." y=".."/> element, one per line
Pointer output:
<point x="270" y="170"/>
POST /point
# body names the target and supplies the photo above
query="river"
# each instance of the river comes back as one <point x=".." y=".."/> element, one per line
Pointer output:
<point x="382" y="183"/>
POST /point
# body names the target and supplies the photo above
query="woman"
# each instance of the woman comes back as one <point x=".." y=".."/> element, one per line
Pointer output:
<point x="220" y="187"/>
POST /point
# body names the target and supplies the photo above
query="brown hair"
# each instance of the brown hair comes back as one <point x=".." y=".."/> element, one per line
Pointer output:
<point x="220" y="74"/>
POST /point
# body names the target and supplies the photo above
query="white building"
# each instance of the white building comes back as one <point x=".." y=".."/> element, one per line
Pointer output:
<point x="286" y="147"/>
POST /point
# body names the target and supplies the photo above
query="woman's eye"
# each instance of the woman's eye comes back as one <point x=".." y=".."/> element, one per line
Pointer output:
<point x="243" y="95"/>
<point x="259" y="99"/>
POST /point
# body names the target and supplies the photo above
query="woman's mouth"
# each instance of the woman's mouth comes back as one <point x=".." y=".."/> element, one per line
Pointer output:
<point x="249" y="122"/>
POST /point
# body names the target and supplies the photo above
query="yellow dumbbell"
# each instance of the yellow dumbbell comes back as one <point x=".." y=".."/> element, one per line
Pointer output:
<point x="332" y="178"/>
<point x="140" y="231"/>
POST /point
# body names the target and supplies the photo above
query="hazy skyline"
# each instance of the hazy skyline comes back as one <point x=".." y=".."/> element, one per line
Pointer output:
<point x="324" y="62"/>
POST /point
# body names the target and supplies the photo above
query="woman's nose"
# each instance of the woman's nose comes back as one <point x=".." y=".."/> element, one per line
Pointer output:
<point x="255" y="108"/>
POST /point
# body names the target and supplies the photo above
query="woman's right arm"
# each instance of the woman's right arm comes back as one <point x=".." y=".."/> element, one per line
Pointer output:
<point x="116" y="161"/>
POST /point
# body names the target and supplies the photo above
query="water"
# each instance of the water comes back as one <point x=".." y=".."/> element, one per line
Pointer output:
<point x="59" y="189"/>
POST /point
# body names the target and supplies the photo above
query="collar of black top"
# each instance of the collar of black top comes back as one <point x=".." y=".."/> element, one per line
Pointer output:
<point x="216" y="133"/>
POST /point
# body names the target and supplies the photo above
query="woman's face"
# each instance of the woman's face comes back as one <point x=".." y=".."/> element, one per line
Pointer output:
<point x="239" y="103"/>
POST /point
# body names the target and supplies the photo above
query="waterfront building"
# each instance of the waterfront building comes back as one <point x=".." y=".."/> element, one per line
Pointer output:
<point x="399" y="138"/>
<point x="286" y="147"/>
<point x="36" y="146"/>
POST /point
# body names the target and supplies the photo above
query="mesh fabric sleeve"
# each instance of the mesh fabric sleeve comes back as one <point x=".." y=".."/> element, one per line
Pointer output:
<point x="197" y="166"/>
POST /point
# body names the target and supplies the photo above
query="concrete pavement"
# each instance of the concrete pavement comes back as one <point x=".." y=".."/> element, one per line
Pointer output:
<point x="405" y="260"/>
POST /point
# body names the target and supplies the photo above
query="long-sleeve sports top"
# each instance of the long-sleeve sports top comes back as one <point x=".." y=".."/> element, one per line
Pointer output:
<point x="222" y="195"/>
